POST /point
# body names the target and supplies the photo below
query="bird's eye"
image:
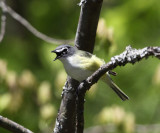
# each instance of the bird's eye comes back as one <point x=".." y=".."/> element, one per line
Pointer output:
<point x="65" y="50"/>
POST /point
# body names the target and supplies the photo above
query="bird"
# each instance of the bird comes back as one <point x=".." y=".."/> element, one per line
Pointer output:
<point x="80" y="64"/>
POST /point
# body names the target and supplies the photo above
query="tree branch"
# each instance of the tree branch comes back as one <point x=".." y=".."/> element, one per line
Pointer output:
<point x="130" y="55"/>
<point x="66" y="119"/>
<point x="85" y="39"/>
<point x="12" y="126"/>
<point x="87" y="26"/>
<point x="26" y="24"/>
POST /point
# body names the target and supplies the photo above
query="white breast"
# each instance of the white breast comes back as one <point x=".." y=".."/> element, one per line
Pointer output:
<point x="75" y="68"/>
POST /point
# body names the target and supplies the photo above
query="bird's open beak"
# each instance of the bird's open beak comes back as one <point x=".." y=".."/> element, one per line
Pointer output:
<point x="57" y="53"/>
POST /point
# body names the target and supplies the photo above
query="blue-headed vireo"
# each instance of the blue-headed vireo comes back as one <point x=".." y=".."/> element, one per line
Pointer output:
<point x="81" y="64"/>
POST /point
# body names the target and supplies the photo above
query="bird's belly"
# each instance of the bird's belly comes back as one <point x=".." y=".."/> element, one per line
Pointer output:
<point x="77" y="73"/>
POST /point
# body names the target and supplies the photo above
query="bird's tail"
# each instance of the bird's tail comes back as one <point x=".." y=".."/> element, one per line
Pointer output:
<point x="116" y="89"/>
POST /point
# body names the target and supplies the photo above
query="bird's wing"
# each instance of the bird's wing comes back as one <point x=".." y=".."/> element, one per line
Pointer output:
<point x="90" y="62"/>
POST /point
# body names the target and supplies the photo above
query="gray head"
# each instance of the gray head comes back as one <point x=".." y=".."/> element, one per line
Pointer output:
<point x="64" y="51"/>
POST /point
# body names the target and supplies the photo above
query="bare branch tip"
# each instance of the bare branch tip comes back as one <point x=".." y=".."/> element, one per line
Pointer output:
<point x="82" y="2"/>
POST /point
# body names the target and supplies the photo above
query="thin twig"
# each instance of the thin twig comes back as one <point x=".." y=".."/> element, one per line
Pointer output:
<point x="33" y="30"/>
<point x="130" y="55"/>
<point x="3" y="24"/>
<point x="12" y="126"/>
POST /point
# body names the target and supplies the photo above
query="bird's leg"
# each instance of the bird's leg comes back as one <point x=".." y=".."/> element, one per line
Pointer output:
<point x="112" y="73"/>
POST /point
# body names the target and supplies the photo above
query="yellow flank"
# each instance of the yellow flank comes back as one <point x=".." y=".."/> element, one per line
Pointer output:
<point x="91" y="64"/>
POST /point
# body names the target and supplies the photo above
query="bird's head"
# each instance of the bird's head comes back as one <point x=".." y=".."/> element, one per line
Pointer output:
<point x="64" y="51"/>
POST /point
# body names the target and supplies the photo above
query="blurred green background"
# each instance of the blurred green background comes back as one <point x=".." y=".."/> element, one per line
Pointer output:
<point x="31" y="83"/>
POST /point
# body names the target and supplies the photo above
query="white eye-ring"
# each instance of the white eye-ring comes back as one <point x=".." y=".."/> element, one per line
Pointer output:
<point x="62" y="50"/>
